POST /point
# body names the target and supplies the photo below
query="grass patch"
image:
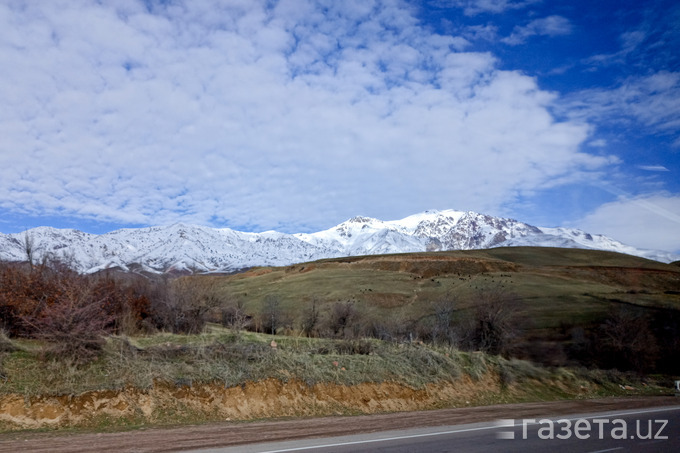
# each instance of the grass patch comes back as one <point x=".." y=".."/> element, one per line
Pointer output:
<point x="221" y="356"/>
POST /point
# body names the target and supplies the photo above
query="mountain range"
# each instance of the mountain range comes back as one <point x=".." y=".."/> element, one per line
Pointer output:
<point x="181" y="247"/>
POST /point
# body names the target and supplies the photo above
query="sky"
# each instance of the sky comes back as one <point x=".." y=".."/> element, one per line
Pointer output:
<point x="295" y="115"/>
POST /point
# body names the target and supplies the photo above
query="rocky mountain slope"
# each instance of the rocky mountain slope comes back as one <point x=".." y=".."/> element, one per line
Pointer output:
<point x="181" y="247"/>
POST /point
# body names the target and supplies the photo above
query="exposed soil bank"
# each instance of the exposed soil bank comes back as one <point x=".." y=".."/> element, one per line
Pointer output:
<point x="255" y="400"/>
<point x="165" y="403"/>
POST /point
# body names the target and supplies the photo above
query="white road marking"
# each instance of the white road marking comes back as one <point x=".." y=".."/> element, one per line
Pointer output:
<point x="385" y="439"/>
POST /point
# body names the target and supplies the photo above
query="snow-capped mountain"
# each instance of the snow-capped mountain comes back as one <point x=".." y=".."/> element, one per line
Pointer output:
<point x="190" y="247"/>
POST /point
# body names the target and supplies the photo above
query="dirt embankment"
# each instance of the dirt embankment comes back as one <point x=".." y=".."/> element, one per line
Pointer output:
<point x="270" y="398"/>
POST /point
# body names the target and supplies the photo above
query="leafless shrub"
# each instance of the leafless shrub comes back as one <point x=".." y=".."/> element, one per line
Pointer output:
<point x="271" y="317"/>
<point x="627" y="341"/>
<point x="73" y="326"/>
<point x="494" y="322"/>
<point x="340" y="319"/>
<point x="184" y="305"/>
<point x="442" y="328"/>
<point x="393" y="326"/>
<point x="25" y="292"/>
<point x="29" y="248"/>
<point x="311" y="317"/>
<point x="361" y="346"/>
<point x="234" y="316"/>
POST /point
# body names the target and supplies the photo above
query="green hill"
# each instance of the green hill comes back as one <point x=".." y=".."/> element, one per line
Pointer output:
<point x="559" y="292"/>
<point x="556" y="284"/>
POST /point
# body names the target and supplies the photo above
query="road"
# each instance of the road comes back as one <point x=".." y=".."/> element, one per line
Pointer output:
<point x="459" y="429"/>
<point x="644" y="430"/>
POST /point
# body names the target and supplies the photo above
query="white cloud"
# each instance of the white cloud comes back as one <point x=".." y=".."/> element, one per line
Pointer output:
<point x="241" y="114"/>
<point x="486" y="32"/>
<point x="474" y="7"/>
<point x="546" y="26"/>
<point x="598" y="143"/>
<point x="630" y="41"/>
<point x="653" y="168"/>
<point x="650" y="221"/>
<point x="652" y="100"/>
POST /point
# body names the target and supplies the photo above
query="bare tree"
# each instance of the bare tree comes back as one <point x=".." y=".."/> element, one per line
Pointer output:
<point x="73" y="320"/>
<point x="187" y="304"/>
<point x="29" y="248"/>
<point x="310" y="318"/>
<point x="271" y="314"/>
<point x="627" y="340"/>
<point x="495" y="320"/>
<point x="234" y="316"/>
<point x="341" y="316"/>
<point x="442" y="329"/>
<point x="393" y="326"/>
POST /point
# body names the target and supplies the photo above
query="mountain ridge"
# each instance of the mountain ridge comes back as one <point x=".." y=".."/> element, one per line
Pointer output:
<point x="186" y="247"/>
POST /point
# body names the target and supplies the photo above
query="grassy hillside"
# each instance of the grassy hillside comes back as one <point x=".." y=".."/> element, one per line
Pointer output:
<point x="557" y="285"/>
<point x="561" y="293"/>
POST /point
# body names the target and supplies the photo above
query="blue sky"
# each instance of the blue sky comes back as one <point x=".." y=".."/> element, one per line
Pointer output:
<point x="295" y="115"/>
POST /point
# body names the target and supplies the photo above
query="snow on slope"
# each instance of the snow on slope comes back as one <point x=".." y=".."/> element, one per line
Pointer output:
<point x="204" y="249"/>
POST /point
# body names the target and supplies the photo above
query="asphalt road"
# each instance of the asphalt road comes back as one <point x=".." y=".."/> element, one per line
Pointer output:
<point x="641" y="430"/>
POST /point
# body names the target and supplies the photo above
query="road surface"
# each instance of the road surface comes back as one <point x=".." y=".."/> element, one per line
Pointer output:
<point x="643" y="430"/>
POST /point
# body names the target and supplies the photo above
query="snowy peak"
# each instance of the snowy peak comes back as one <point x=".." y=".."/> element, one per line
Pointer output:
<point x="203" y="249"/>
<point x="429" y="222"/>
<point x="358" y="224"/>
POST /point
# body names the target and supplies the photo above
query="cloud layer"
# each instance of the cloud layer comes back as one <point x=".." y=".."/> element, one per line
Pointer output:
<point x="474" y="7"/>
<point x="652" y="101"/>
<point x="651" y="221"/>
<point x="242" y="114"/>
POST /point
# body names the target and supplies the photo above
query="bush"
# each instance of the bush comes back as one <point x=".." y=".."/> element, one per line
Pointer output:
<point x="442" y="329"/>
<point x="68" y="311"/>
<point x="340" y="320"/>
<point x="360" y="347"/>
<point x="234" y="316"/>
<point x="184" y="305"/>
<point x="271" y="315"/>
<point x="495" y="321"/>
<point x="627" y="341"/>
<point x="126" y="302"/>
<point x="73" y="325"/>
<point x="309" y="323"/>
